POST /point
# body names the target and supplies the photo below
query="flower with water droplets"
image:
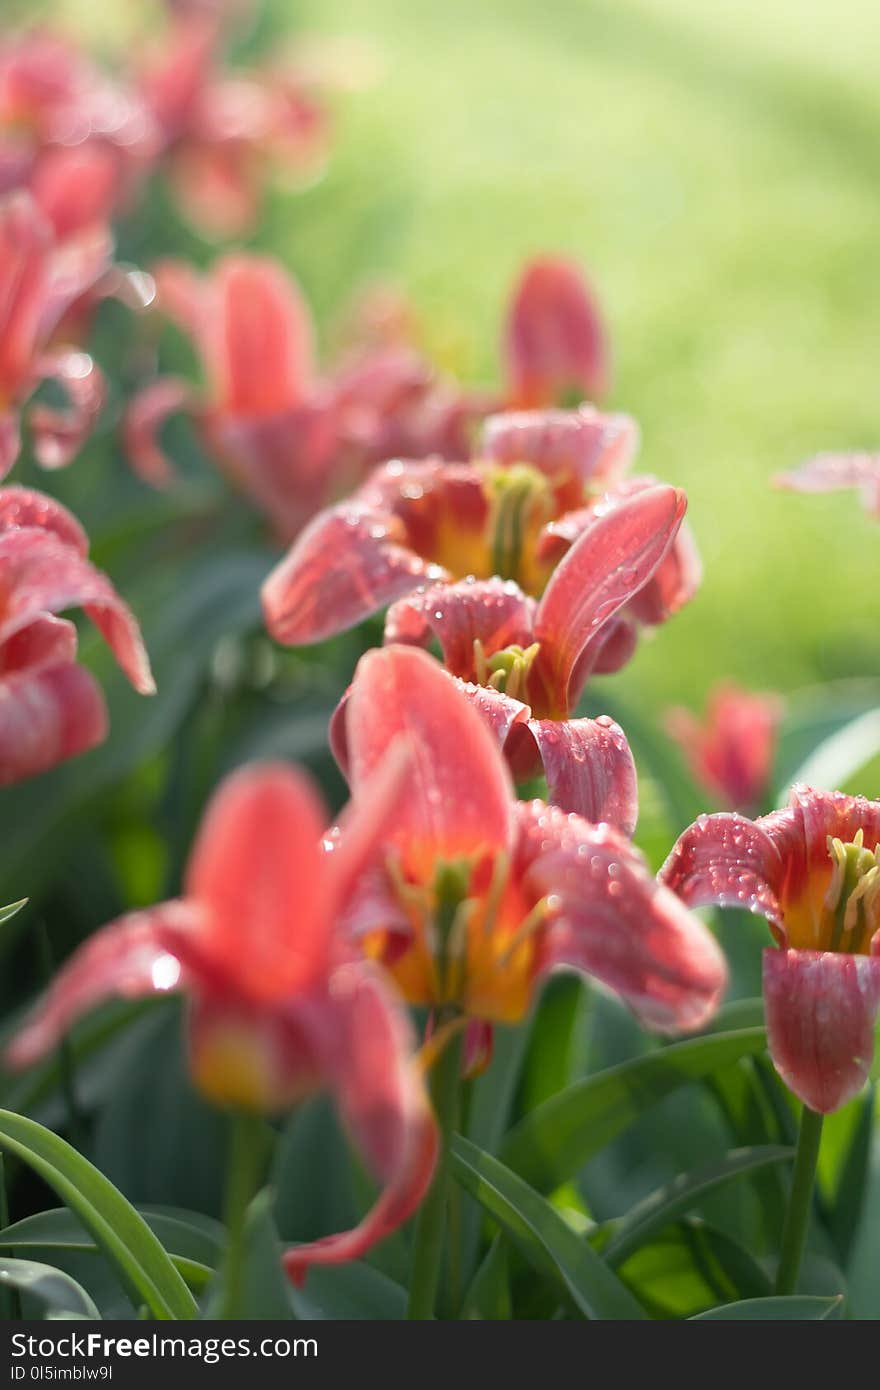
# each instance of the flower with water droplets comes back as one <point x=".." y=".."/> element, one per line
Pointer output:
<point x="813" y="870"/>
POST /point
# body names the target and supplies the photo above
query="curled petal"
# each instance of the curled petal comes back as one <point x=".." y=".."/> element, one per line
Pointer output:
<point x="609" y="917"/>
<point x="584" y="443"/>
<point x="612" y="560"/>
<point x="258" y="869"/>
<point x="59" y="433"/>
<point x="804" y="828"/>
<point x="24" y="507"/>
<point x="589" y="769"/>
<point x="554" y="338"/>
<point x="42" y="575"/>
<point x="831" y="472"/>
<point x="256" y="337"/>
<point x="126" y="959"/>
<point x="47" y="716"/>
<point x="729" y="861"/>
<point x="144" y="416"/>
<point x="44" y="643"/>
<point x="821" y="1010"/>
<point x="494" y="612"/>
<point x="382" y="1098"/>
<point x="677" y="579"/>
<point x="460" y="794"/>
<point x="343" y="567"/>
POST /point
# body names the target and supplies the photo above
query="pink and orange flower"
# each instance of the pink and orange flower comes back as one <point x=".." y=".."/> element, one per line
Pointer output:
<point x="50" y="708"/>
<point x="813" y="870"/>
<point x="279" y="1006"/>
<point x="731" y="752"/>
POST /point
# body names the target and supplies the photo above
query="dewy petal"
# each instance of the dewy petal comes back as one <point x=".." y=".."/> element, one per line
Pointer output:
<point x="128" y="958"/>
<point x="144" y="416"/>
<point x="554" y="339"/>
<point x="40" y="574"/>
<point x="256" y="337"/>
<point x="729" y="861"/>
<point x="459" y="801"/>
<point x="382" y="1098"/>
<point x="821" y="1009"/>
<point x="258" y="869"/>
<point x="58" y="433"/>
<point x="584" y="443"/>
<point x="47" y="716"/>
<point x="589" y="769"/>
<point x="831" y="472"/>
<point x="610" y="562"/>
<point x="494" y="612"/>
<point x="345" y="565"/>
<point x="23" y="506"/>
<point x="610" y="918"/>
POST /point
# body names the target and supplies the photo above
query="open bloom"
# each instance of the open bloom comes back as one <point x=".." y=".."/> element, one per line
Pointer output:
<point x="813" y="870"/>
<point x="481" y="896"/>
<point x="539" y="480"/>
<point x="50" y="708"/>
<point x="834" y="472"/>
<point x="279" y="1008"/>
<point x="524" y="663"/>
<point x="224" y="131"/>
<point x="40" y="278"/>
<point x="731" y="752"/>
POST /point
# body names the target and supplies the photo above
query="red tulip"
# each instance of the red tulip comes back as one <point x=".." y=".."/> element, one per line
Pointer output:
<point x="731" y="753"/>
<point x="50" y="708"/>
<point x="833" y="472"/>
<point x="512" y="514"/>
<point x="279" y="1007"/>
<point x="482" y="896"/>
<point x="813" y="870"/>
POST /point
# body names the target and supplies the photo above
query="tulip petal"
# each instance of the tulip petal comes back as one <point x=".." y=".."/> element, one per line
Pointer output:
<point x="128" y="958"/>
<point x="831" y="472"/>
<point x="729" y="861"/>
<point x="611" y="561"/>
<point x="144" y="416"/>
<point x="23" y="506"/>
<point x="59" y="433"/>
<point x="494" y="612"/>
<point x="821" y="1010"/>
<point x="583" y="443"/>
<point x="343" y="567"/>
<point x="258" y="867"/>
<point x="257" y="337"/>
<point x="589" y="769"/>
<point x="41" y="575"/>
<point x="554" y="338"/>
<point x="459" y="801"/>
<point x="47" y="716"/>
<point x="382" y="1098"/>
<point x="610" y="918"/>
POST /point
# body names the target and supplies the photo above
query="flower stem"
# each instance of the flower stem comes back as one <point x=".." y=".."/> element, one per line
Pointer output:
<point x="245" y="1167"/>
<point x="800" y="1201"/>
<point x="430" y="1237"/>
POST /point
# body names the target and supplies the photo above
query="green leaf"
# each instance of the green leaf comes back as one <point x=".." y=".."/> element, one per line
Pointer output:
<point x="11" y="909"/>
<point x="795" y="1309"/>
<point x="664" y="1206"/>
<point x="59" y="1294"/>
<point x="350" y="1292"/>
<point x="134" y="1251"/>
<point x="839" y="760"/>
<point x="844" y="1217"/>
<point x="692" y="1266"/>
<point x="488" y="1297"/>
<point x="194" y="1242"/>
<point x="265" y="1292"/>
<point x="553" y="1143"/>
<point x="541" y="1233"/>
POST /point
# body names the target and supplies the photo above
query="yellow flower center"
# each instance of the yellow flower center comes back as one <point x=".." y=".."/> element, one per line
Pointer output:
<point x="521" y="502"/>
<point x="506" y="670"/>
<point x="839" y="909"/>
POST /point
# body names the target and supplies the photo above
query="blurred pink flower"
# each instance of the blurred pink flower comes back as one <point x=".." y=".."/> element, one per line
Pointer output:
<point x="279" y="1006"/>
<point x="813" y="870"/>
<point x="731" y="752"/>
<point x="50" y="708"/>
<point x="555" y="345"/>
<point x="834" y="472"/>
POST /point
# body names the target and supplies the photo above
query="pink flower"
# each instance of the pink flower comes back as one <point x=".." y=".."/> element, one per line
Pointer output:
<point x="535" y="486"/>
<point x="813" y="870"/>
<point x="731" y="753"/>
<point x="279" y="1008"/>
<point x="481" y="896"/>
<point x="50" y="708"/>
<point x="223" y="132"/>
<point x="555" y="347"/>
<point x="524" y="663"/>
<point x="40" y="279"/>
<point x="833" y="472"/>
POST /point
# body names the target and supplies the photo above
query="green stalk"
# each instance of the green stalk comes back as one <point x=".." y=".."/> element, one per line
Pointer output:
<point x="430" y="1236"/>
<point x="66" y="1064"/>
<point x="245" y="1168"/>
<point x="800" y="1202"/>
<point x="10" y="1303"/>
